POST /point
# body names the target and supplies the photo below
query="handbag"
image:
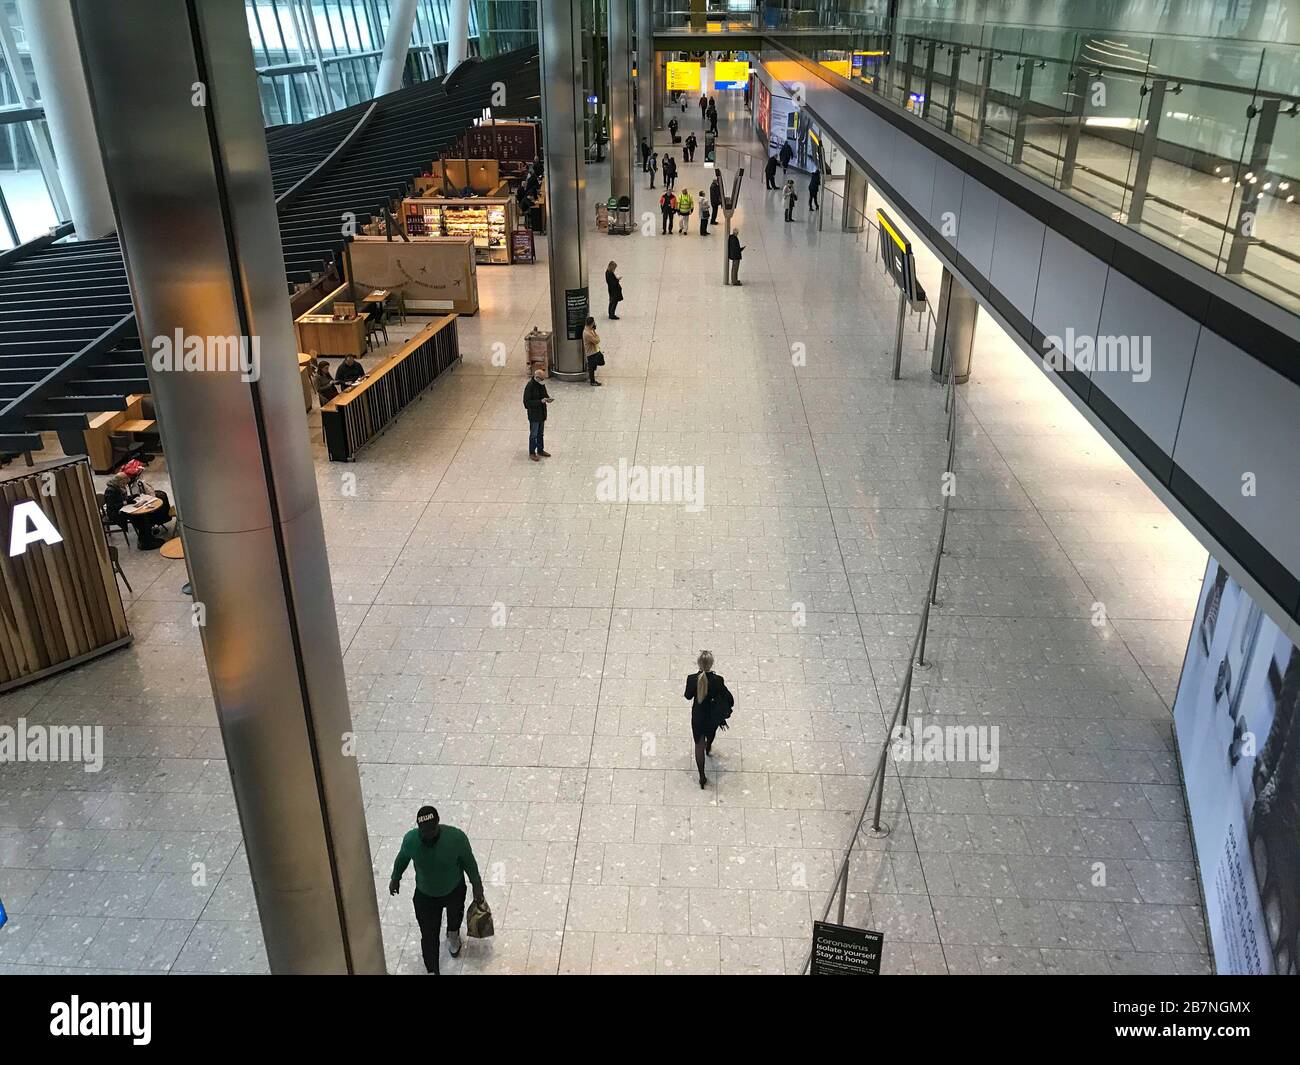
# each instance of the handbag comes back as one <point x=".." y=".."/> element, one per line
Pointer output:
<point x="598" y="359"/>
<point x="478" y="921"/>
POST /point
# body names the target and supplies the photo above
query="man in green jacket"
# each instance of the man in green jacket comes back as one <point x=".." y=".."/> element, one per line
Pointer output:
<point x="443" y="859"/>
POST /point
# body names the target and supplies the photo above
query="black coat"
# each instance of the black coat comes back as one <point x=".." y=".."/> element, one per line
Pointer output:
<point x="787" y="153"/>
<point x="614" y="285"/>
<point x="733" y="248"/>
<point x="815" y="182"/>
<point x="770" y="169"/>
<point x="534" y="393"/>
<point x="715" y="194"/>
<point x="717" y="705"/>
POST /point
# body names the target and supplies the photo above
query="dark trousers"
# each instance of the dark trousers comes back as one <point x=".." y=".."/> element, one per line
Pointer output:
<point x="771" y="180"/>
<point x="714" y="220"/>
<point x="789" y="211"/>
<point x="614" y="301"/>
<point x="704" y="223"/>
<point x="813" y="205"/>
<point x="428" y="914"/>
<point x="536" y="437"/>
<point x="668" y="221"/>
<point x="591" y="369"/>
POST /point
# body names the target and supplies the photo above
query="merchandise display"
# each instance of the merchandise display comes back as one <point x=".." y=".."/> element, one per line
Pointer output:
<point x="487" y="222"/>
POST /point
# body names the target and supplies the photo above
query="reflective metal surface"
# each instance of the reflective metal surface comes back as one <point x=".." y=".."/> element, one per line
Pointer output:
<point x="52" y="44"/>
<point x="645" y="65"/>
<point x="397" y="42"/>
<point x="622" y="132"/>
<point x="566" y="173"/>
<point x="178" y="117"/>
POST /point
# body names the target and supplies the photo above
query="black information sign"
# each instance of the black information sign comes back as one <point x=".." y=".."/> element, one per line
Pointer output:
<point x="839" y="950"/>
<point x="577" y="308"/>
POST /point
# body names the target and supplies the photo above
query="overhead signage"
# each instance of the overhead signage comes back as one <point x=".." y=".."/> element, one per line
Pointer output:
<point x="896" y="252"/>
<point x="839" y="950"/>
<point x="730" y="75"/>
<point x="683" y="76"/>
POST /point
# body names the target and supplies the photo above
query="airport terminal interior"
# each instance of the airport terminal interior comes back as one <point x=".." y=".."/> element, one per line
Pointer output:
<point x="943" y="430"/>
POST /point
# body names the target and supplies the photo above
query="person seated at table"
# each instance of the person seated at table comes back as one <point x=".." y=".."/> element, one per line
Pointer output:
<point x="323" y="382"/>
<point x="128" y="487"/>
<point x="350" y="372"/>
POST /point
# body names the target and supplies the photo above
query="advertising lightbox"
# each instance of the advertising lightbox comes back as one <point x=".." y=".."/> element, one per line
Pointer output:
<point x="1237" y="720"/>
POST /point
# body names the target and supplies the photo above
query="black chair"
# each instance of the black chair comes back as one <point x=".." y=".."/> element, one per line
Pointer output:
<point x="117" y="567"/>
<point x="109" y="525"/>
<point x="377" y="322"/>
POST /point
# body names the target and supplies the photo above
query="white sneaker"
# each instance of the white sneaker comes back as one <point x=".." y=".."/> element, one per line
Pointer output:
<point x="453" y="943"/>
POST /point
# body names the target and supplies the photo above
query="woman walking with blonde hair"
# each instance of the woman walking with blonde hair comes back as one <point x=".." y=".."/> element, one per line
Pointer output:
<point x="711" y="705"/>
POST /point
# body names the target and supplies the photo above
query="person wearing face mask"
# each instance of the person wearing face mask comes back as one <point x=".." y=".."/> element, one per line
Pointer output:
<point x="535" y="400"/>
<point x="443" y="860"/>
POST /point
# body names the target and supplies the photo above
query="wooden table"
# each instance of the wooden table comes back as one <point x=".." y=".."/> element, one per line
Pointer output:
<point x="327" y="335"/>
<point x="136" y="425"/>
<point x="173" y="548"/>
<point x="136" y="510"/>
<point x="378" y="296"/>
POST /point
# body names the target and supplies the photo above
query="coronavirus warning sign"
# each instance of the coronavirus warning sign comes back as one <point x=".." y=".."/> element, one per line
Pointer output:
<point x="839" y="950"/>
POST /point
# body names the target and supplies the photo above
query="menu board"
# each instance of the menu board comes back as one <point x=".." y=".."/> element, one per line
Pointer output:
<point x="522" y="243"/>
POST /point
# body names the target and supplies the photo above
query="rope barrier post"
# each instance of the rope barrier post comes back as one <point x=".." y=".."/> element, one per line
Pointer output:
<point x="879" y="830"/>
<point x="844" y="888"/>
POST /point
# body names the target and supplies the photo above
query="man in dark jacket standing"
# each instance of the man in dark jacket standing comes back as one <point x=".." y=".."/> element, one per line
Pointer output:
<point x="814" y="187"/>
<point x="734" y="250"/>
<point x="787" y="153"/>
<point x="443" y="859"/>
<point x="645" y="156"/>
<point x="769" y="172"/>
<point x="535" y="400"/>
<point x="715" y="198"/>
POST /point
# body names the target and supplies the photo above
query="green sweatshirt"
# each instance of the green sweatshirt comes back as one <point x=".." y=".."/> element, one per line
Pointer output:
<point x="440" y="867"/>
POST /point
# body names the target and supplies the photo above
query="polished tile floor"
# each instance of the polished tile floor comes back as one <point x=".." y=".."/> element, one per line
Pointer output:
<point x="516" y="648"/>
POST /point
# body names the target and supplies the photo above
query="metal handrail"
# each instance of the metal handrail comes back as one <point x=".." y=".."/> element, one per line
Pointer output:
<point x="915" y="657"/>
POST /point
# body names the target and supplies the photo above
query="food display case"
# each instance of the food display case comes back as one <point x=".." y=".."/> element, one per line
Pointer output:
<point x="489" y="222"/>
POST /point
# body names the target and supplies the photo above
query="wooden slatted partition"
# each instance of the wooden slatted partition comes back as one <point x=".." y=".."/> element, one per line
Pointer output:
<point x="59" y="602"/>
<point x="353" y="419"/>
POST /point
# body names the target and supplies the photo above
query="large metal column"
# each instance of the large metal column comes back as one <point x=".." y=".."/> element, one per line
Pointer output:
<point x="622" y="132"/>
<point x="1155" y="94"/>
<point x="397" y="42"/>
<point x="954" y="79"/>
<point x="855" y="200"/>
<point x="659" y="92"/>
<point x="927" y="92"/>
<point x="986" y="81"/>
<point x="954" y="333"/>
<point x="1252" y="187"/>
<point x="457" y="34"/>
<point x="1022" y="115"/>
<point x="645" y="67"/>
<point x="195" y="212"/>
<point x="52" y="43"/>
<point x="1074" y="127"/>
<point x="560" y="33"/>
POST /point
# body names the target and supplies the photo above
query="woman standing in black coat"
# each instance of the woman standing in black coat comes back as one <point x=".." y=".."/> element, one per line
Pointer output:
<point x="711" y="705"/>
<point x="615" y="285"/>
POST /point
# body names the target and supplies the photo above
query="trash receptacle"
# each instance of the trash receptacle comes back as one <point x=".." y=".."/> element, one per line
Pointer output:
<point x="624" y="213"/>
<point x="537" y="351"/>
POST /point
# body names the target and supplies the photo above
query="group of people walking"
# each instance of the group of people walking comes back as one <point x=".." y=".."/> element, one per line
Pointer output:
<point x="682" y="205"/>
<point x="789" y="195"/>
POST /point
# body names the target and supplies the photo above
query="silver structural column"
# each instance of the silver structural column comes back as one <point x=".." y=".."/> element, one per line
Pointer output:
<point x="560" y="31"/>
<point x="645" y="68"/>
<point x="954" y="331"/>
<point x="622" y="134"/>
<point x="176" y="106"/>
<point x="457" y="34"/>
<point x="659" y="92"/>
<point x="52" y="42"/>
<point x="397" y="42"/>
